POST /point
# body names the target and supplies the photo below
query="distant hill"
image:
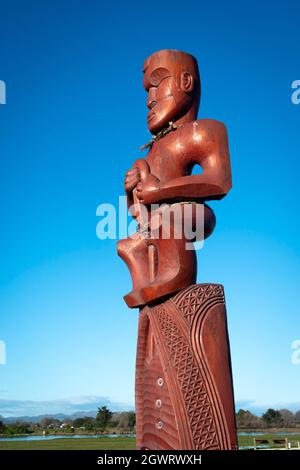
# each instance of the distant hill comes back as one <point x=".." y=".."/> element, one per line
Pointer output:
<point x="34" y="411"/>
<point x="60" y="416"/>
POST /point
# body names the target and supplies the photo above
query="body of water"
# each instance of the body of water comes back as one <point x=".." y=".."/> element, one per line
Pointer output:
<point x="87" y="436"/>
<point x="287" y="434"/>
<point x="62" y="436"/>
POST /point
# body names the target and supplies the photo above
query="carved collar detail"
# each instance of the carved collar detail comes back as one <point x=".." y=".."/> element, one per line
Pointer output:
<point x="160" y="135"/>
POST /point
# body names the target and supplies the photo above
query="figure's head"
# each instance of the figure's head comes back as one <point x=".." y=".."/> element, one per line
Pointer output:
<point x="172" y="81"/>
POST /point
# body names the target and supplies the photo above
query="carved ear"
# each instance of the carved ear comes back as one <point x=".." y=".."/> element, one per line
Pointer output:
<point x="186" y="82"/>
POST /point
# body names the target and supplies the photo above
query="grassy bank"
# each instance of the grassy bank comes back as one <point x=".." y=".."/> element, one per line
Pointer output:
<point x="102" y="443"/>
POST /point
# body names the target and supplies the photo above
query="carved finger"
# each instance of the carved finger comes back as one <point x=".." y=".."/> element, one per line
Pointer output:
<point x="133" y="171"/>
<point x="131" y="176"/>
<point x="129" y="185"/>
<point x="139" y="194"/>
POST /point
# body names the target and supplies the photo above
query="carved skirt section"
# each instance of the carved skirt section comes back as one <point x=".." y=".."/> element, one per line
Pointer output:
<point x="184" y="393"/>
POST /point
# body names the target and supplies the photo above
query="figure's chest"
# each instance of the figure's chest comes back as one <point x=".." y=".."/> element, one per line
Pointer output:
<point x="165" y="160"/>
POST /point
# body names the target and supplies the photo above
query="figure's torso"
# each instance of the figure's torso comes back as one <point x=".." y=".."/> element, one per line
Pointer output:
<point x="167" y="156"/>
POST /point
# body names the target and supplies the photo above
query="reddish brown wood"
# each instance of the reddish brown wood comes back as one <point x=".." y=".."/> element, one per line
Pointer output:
<point x="172" y="81"/>
<point x="184" y="394"/>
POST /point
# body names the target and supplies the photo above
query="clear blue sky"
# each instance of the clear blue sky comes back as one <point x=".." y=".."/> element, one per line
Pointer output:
<point x="73" y="123"/>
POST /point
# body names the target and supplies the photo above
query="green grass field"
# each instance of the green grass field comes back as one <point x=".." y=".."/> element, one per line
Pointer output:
<point x="102" y="443"/>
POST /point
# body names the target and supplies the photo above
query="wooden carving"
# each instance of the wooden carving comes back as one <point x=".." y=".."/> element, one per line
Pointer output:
<point x="184" y="394"/>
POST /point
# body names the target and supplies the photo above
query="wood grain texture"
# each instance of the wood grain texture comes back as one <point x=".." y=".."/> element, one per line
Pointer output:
<point x="161" y="265"/>
<point x="184" y="393"/>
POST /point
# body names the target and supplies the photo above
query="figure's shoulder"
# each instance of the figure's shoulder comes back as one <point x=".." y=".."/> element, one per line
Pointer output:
<point x="203" y="136"/>
<point x="203" y="128"/>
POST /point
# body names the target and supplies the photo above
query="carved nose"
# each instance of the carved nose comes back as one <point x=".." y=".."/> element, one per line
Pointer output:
<point x="151" y="104"/>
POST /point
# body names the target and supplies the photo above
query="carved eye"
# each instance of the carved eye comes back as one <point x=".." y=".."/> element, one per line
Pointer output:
<point x="158" y="75"/>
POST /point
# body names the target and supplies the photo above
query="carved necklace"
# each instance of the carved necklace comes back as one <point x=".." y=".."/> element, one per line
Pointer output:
<point x="160" y="135"/>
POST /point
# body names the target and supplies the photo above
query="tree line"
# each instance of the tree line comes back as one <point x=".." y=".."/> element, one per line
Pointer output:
<point x="270" y="419"/>
<point x="106" y="420"/>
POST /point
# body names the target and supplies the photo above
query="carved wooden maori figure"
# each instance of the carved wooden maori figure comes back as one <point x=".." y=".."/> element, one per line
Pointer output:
<point x="184" y="394"/>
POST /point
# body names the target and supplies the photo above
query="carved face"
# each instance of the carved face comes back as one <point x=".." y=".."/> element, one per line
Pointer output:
<point x="169" y="95"/>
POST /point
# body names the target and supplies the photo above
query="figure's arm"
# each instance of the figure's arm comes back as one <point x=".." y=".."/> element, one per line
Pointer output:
<point x="194" y="186"/>
<point x="205" y="143"/>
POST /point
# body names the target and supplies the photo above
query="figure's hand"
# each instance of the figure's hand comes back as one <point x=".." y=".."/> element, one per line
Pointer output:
<point x="132" y="178"/>
<point x="147" y="191"/>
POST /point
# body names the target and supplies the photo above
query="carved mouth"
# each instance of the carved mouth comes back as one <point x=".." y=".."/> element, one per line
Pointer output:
<point x="150" y="116"/>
